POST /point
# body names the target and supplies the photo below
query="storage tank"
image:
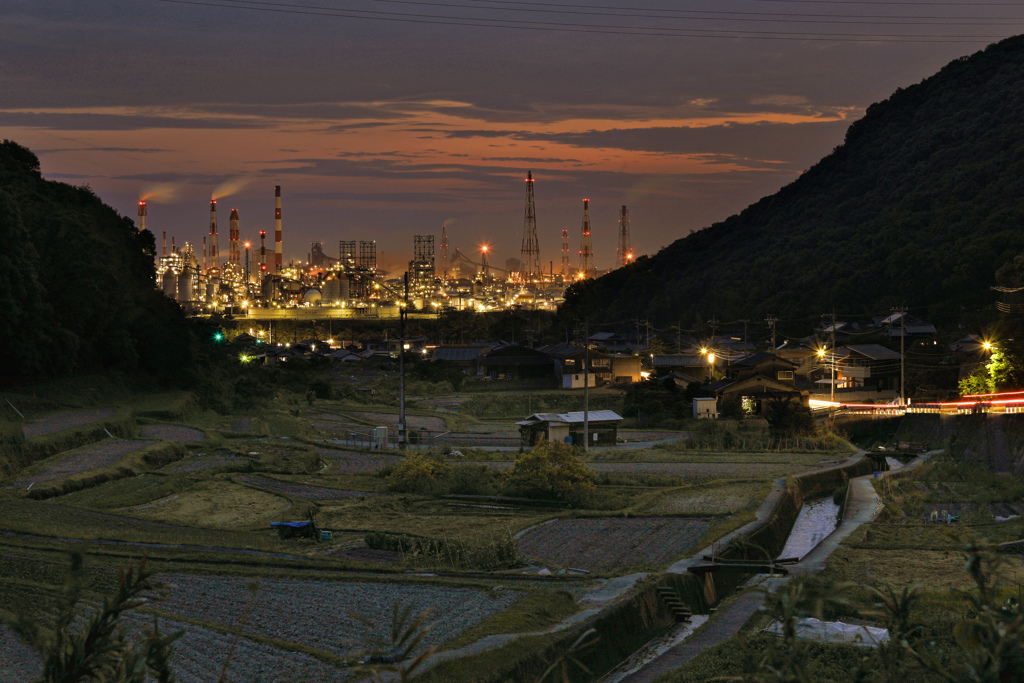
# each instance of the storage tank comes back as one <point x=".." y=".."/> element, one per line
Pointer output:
<point x="170" y="284"/>
<point x="185" y="287"/>
<point x="336" y="289"/>
<point x="312" y="296"/>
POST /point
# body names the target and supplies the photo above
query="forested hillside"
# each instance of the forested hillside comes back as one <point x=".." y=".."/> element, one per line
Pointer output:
<point x="76" y="282"/>
<point x="919" y="206"/>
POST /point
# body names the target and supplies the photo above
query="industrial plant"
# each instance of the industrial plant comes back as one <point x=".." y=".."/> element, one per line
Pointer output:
<point x="350" y="284"/>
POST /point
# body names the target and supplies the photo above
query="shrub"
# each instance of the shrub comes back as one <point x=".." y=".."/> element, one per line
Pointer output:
<point x="420" y="474"/>
<point x="552" y="470"/>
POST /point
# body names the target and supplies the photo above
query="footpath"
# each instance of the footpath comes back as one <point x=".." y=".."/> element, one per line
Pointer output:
<point x="862" y="506"/>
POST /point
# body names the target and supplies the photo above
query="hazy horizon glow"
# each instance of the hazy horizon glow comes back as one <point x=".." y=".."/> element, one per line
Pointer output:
<point x="381" y="130"/>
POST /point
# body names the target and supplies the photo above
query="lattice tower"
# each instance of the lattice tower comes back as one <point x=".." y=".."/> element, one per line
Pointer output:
<point x="566" y="266"/>
<point x="531" y="247"/>
<point x="624" y="253"/>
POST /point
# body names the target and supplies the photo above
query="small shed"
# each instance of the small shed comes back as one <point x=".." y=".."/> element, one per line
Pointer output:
<point x="602" y="427"/>
<point x="705" y="407"/>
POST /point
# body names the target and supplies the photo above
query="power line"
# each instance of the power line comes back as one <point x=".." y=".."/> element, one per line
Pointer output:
<point x="408" y="17"/>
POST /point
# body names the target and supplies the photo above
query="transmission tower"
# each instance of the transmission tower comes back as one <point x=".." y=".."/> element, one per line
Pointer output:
<point x="624" y="254"/>
<point x="566" y="268"/>
<point x="587" y="269"/>
<point x="531" y="247"/>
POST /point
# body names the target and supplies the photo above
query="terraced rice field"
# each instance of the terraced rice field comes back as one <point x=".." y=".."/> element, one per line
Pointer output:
<point x="707" y="470"/>
<point x="719" y="500"/>
<point x="305" y="490"/>
<point x="173" y="433"/>
<point x="316" y="613"/>
<point x="84" y="459"/>
<point x="200" y="654"/>
<point x="352" y="462"/>
<point x="603" y="544"/>
<point x="432" y="424"/>
<point x="18" y="661"/>
<point x="66" y="420"/>
<point x="200" y="462"/>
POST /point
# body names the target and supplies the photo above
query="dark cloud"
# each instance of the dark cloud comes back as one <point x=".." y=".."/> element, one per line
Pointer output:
<point x="94" y="121"/>
<point x="130" y="150"/>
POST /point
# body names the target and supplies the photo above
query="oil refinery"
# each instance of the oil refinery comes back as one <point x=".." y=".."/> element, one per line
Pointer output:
<point x="259" y="285"/>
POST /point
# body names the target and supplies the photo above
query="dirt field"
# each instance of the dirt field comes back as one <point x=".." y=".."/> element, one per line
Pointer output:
<point x="84" y="459"/>
<point x="65" y="420"/>
<point x="718" y="500"/>
<point x="352" y="462"/>
<point x="304" y="490"/>
<point x="218" y="505"/>
<point x="601" y="544"/>
<point x="172" y="433"/>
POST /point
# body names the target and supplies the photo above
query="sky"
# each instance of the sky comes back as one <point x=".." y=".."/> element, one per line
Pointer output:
<point x="385" y="119"/>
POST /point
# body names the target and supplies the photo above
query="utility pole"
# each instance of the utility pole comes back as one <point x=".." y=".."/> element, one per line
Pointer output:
<point x="771" y="320"/>
<point x="744" y="321"/>
<point x="401" y="367"/>
<point x="832" y="359"/>
<point x="903" y="336"/>
<point x="586" y="385"/>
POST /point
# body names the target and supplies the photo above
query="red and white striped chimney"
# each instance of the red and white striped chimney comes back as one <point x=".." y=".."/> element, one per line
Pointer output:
<point x="278" y="242"/>
<point x="142" y="215"/>
<point x="165" y="243"/>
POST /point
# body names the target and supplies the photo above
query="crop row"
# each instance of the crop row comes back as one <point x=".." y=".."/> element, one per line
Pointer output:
<point x="305" y="490"/>
<point x="66" y="420"/>
<point x="200" y="653"/>
<point x="613" y="542"/>
<point x="317" y="613"/>
<point x="85" y="458"/>
<point x="173" y="433"/>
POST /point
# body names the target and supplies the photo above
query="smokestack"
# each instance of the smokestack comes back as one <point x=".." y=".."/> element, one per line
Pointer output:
<point x="165" y="243"/>
<point x="263" y="251"/>
<point x="174" y="249"/>
<point x="278" y="243"/>
<point x="233" y="254"/>
<point x="213" y="234"/>
<point x="204" y="253"/>
<point x="142" y="215"/>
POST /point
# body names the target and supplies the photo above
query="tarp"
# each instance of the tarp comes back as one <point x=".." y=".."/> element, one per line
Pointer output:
<point x="294" y="525"/>
<point x="835" y="632"/>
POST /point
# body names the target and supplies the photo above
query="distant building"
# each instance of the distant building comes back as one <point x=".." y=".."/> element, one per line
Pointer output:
<point x="602" y="427"/>
<point x="705" y="407"/>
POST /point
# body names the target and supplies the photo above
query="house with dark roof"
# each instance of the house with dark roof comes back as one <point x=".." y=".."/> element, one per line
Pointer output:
<point x="866" y="366"/>
<point x="691" y="365"/>
<point x="757" y="379"/>
<point x="465" y="357"/>
<point x="518" y="362"/>
<point x="602" y="427"/>
<point x="611" y="341"/>
<point x="570" y="361"/>
<point x="898" y="324"/>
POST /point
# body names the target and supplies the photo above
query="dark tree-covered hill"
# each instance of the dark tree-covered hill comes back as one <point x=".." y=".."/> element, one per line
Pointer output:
<point x="77" y="287"/>
<point x="919" y="206"/>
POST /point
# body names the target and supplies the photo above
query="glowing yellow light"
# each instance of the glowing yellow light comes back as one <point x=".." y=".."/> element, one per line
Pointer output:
<point x="711" y="357"/>
<point x="821" y="353"/>
<point x="986" y="345"/>
<point x="703" y="351"/>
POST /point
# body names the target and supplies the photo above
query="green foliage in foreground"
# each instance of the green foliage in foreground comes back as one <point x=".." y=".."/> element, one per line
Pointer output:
<point x="98" y="650"/>
<point x="979" y="640"/>
<point x="451" y="553"/>
<point x="552" y="470"/>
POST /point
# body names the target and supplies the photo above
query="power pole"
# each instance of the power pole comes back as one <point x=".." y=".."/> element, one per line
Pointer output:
<point x="903" y="336"/>
<point x="586" y="385"/>
<point x="833" y="399"/>
<point x="771" y="320"/>
<point x="401" y="366"/>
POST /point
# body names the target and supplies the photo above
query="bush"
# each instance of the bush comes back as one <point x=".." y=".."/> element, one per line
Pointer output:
<point x="502" y="553"/>
<point x="552" y="470"/>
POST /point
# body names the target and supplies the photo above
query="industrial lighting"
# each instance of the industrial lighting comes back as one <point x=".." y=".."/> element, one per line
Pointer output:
<point x="821" y="353"/>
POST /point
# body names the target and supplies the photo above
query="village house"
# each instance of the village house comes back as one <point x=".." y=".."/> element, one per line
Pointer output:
<point x="602" y="428"/>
